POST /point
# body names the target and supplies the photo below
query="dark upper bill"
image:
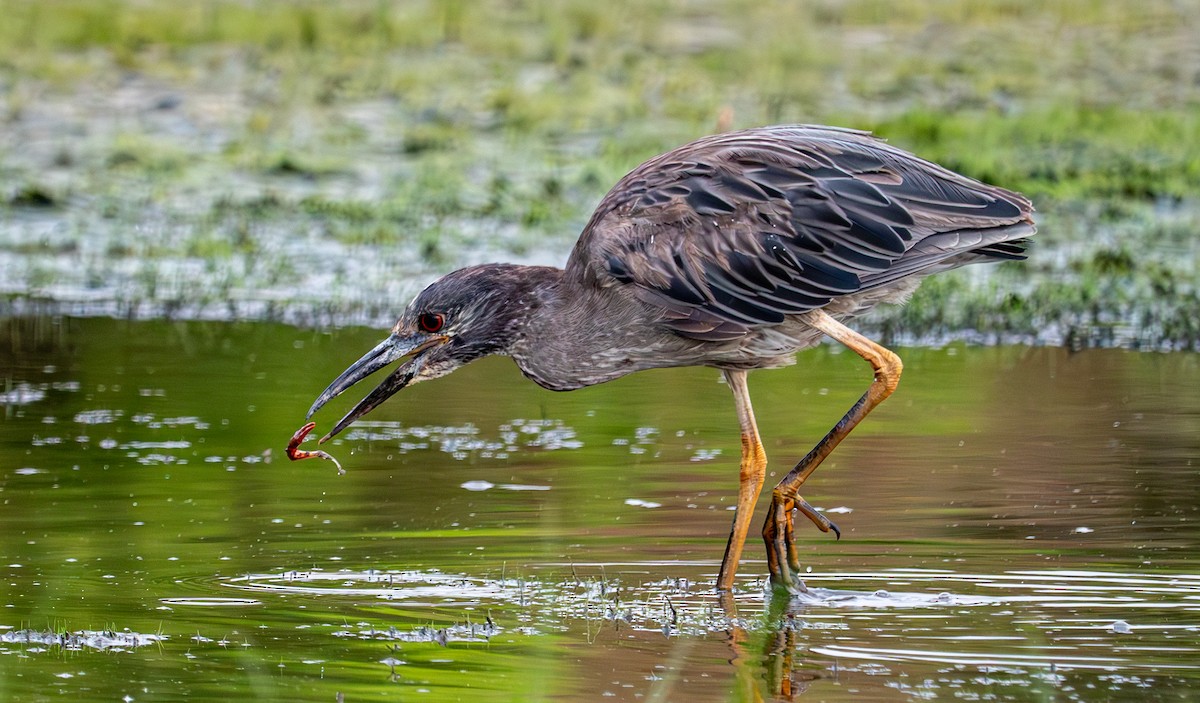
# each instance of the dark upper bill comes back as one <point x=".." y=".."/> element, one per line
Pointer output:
<point x="387" y="351"/>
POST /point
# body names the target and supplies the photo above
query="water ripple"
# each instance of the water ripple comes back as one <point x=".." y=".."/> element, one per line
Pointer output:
<point x="1019" y="620"/>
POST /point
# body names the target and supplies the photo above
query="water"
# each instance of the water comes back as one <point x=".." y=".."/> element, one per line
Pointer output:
<point x="1018" y="524"/>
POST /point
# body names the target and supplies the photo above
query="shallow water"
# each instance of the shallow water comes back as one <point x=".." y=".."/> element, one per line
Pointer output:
<point x="1018" y="524"/>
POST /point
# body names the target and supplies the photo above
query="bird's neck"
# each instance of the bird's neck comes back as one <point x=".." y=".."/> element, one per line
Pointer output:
<point x="571" y="336"/>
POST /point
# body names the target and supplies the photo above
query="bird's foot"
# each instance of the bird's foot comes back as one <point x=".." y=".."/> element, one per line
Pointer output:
<point x="823" y="523"/>
<point x="778" y="534"/>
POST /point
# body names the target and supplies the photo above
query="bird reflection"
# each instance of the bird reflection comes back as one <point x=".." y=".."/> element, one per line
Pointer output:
<point x="765" y="662"/>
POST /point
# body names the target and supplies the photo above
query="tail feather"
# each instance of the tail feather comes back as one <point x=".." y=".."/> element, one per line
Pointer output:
<point x="948" y="250"/>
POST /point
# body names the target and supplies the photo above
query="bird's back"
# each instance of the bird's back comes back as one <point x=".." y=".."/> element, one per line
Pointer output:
<point x="740" y="231"/>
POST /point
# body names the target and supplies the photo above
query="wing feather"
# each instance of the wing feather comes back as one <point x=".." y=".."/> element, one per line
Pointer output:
<point x="736" y="231"/>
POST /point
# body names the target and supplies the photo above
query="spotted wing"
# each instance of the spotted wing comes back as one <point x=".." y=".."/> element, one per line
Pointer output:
<point x="739" y="230"/>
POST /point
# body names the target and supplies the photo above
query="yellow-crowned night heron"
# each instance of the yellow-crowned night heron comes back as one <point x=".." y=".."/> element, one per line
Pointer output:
<point x="734" y="252"/>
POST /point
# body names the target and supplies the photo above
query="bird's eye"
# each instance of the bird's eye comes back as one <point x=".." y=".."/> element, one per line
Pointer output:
<point x="431" y="321"/>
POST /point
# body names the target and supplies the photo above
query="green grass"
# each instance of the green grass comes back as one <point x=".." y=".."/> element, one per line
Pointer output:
<point x="1069" y="152"/>
<point x="1035" y="97"/>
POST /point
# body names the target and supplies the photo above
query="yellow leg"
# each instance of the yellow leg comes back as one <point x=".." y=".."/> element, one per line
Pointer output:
<point x="753" y="472"/>
<point x="782" y="560"/>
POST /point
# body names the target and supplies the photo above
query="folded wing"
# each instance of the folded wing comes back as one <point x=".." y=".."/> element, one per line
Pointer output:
<point x="737" y="231"/>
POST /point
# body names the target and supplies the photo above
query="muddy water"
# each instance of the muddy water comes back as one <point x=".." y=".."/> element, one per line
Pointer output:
<point x="1018" y="524"/>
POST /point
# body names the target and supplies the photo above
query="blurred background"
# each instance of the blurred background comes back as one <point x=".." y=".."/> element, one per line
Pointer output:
<point x="318" y="163"/>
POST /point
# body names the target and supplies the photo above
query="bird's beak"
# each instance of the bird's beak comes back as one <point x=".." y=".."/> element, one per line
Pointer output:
<point x="389" y="350"/>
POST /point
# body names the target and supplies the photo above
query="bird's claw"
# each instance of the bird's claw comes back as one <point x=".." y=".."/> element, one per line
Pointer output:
<point x="778" y="533"/>
<point x="823" y="523"/>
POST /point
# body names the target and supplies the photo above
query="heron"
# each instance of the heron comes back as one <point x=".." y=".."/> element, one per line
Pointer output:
<point x="734" y="252"/>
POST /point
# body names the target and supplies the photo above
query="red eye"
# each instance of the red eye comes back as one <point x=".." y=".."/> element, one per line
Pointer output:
<point x="431" y="321"/>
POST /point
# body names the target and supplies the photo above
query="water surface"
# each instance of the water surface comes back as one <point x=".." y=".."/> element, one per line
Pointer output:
<point x="1018" y="524"/>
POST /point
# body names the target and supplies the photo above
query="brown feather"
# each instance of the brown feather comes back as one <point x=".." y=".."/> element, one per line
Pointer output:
<point x="735" y="231"/>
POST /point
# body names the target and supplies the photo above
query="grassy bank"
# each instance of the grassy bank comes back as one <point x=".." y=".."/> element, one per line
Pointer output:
<point x="319" y="162"/>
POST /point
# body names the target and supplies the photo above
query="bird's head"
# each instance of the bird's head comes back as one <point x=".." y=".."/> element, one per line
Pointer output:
<point x="464" y="315"/>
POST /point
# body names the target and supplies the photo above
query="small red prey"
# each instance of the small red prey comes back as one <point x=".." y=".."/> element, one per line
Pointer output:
<point x="295" y="453"/>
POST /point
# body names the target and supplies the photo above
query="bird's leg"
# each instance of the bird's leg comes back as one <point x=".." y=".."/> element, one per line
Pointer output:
<point x="778" y="532"/>
<point x="753" y="471"/>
